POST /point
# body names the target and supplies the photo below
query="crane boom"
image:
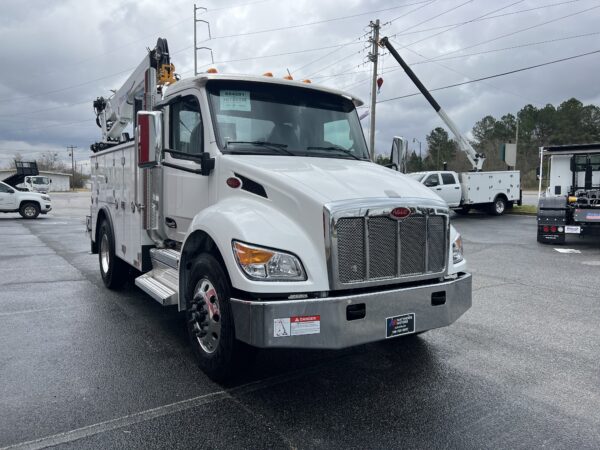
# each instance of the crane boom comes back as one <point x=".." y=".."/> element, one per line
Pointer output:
<point x="476" y="159"/>
<point x="114" y="114"/>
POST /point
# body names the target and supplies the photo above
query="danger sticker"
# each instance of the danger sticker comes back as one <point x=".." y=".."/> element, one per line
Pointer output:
<point x="296" y="326"/>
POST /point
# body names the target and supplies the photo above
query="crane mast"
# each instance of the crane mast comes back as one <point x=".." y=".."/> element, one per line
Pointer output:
<point x="115" y="113"/>
<point x="476" y="159"/>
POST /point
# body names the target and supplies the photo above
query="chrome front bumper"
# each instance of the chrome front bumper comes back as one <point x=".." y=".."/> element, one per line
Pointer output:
<point x="256" y="321"/>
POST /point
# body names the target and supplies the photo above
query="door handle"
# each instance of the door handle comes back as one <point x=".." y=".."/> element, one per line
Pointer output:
<point x="438" y="189"/>
<point x="457" y="187"/>
<point x="170" y="222"/>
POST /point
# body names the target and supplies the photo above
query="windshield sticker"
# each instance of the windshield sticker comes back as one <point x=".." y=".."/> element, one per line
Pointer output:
<point x="234" y="100"/>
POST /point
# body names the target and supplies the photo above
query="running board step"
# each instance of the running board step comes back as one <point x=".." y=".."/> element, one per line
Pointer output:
<point x="168" y="257"/>
<point x="160" y="292"/>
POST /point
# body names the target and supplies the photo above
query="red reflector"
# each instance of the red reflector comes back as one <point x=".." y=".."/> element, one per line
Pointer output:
<point x="400" y="213"/>
<point x="546" y="229"/>
<point x="553" y="229"/>
<point x="233" y="182"/>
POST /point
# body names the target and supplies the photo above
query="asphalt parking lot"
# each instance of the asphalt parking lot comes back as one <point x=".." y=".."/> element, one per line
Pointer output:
<point x="84" y="367"/>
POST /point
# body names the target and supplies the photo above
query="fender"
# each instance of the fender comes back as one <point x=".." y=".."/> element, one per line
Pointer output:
<point x="103" y="211"/>
<point x="258" y="223"/>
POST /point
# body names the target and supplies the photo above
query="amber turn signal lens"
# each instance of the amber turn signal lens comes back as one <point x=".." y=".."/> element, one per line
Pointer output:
<point x="250" y="255"/>
<point x="212" y="70"/>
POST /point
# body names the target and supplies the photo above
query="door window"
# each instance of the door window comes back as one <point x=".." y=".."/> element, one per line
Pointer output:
<point x="448" y="178"/>
<point x="432" y="180"/>
<point x="5" y="189"/>
<point x="186" y="126"/>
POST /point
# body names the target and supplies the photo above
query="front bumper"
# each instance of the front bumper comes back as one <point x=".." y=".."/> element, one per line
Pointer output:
<point x="255" y="320"/>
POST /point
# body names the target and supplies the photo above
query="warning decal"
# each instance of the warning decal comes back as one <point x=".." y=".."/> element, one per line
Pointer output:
<point x="296" y="326"/>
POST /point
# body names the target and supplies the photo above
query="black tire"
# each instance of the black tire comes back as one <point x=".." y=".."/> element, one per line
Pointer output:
<point x="498" y="206"/>
<point x="114" y="270"/>
<point x="209" y="319"/>
<point x="29" y="210"/>
<point x="463" y="211"/>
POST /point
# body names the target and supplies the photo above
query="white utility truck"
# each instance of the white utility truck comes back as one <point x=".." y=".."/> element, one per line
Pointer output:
<point x="250" y="203"/>
<point x="20" y="200"/>
<point x="571" y="203"/>
<point x="37" y="183"/>
<point x="493" y="191"/>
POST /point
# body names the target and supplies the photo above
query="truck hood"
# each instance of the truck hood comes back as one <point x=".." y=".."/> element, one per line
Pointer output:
<point x="328" y="179"/>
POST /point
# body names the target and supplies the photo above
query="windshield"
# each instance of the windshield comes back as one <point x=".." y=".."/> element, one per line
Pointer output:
<point x="417" y="175"/>
<point x="268" y="118"/>
<point x="40" y="180"/>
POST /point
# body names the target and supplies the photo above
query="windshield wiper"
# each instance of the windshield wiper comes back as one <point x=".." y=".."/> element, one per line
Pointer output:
<point x="339" y="149"/>
<point x="281" y="148"/>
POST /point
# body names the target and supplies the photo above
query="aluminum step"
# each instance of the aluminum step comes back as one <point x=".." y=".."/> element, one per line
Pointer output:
<point x="156" y="289"/>
<point x="165" y="256"/>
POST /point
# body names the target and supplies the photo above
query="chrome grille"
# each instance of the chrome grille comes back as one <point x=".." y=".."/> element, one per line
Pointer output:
<point x="374" y="248"/>
<point x="412" y="251"/>
<point x="352" y="253"/>
<point x="383" y="242"/>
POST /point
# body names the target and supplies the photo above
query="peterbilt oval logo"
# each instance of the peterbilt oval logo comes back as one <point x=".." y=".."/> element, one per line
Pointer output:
<point x="400" y="213"/>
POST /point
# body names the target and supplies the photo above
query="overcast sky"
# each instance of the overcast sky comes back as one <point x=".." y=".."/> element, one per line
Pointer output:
<point x="62" y="54"/>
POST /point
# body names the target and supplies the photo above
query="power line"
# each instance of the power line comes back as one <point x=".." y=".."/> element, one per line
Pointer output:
<point x="403" y="33"/>
<point x="519" y="31"/>
<point x="391" y="69"/>
<point x="522" y="69"/>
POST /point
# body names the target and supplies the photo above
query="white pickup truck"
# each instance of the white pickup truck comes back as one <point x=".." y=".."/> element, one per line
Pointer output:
<point x="28" y="204"/>
<point x="490" y="191"/>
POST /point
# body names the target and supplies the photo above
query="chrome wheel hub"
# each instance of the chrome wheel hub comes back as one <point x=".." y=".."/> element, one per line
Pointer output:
<point x="499" y="206"/>
<point x="104" y="254"/>
<point x="29" y="211"/>
<point x="206" y="315"/>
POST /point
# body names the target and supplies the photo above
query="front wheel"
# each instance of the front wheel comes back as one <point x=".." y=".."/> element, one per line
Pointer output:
<point x="210" y="321"/>
<point x="498" y="207"/>
<point x="29" y="210"/>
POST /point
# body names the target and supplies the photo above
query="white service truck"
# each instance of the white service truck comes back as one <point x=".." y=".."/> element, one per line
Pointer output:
<point x="490" y="191"/>
<point x="251" y="204"/>
<point x="493" y="191"/>
<point x="37" y="183"/>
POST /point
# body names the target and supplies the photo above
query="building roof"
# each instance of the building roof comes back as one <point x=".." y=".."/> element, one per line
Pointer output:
<point x="44" y="172"/>
<point x="571" y="149"/>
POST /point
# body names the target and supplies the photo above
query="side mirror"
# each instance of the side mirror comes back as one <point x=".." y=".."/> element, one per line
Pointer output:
<point x="148" y="138"/>
<point x="207" y="164"/>
<point x="399" y="153"/>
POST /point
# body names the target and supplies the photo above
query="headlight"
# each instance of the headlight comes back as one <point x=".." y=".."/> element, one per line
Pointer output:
<point x="457" y="250"/>
<point x="45" y="197"/>
<point x="264" y="264"/>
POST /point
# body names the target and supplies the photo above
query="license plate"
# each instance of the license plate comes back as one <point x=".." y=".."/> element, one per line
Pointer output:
<point x="399" y="325"/>
<point x="571" y="229"/>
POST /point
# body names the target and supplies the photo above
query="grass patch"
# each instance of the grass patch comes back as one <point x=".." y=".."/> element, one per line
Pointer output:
<point x="523" y="209"/>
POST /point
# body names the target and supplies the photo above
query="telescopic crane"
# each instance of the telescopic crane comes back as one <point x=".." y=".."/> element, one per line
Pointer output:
<point x="115" y="113"/>
<point x="476" y="159"/>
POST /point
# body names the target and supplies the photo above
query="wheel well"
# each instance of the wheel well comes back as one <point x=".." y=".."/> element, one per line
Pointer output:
<point x="101" y="217"/>
<point x="24" y="202"/>
<point x="502" y="196"/>
<point x="198" y="242"/>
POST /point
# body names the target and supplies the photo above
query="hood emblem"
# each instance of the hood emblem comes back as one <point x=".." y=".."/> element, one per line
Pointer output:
<point x="400" y="213"/>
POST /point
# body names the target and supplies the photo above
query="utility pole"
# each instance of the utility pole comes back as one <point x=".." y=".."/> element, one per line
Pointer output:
<point x="373" y="57"/>
<point x="196" y="48"/>
<point x="70" y="149"/>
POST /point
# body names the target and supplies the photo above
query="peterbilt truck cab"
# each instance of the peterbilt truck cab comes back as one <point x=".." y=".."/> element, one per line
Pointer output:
<point x="250" y="203"/>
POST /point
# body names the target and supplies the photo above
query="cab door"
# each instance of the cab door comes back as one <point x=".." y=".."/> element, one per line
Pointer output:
<point x="185" y="191"/>
<point x="450" y="189"/>
<point x="7" y="197"/>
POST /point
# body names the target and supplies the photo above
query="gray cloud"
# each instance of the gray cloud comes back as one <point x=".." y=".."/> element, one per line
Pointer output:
<point x="54" y="51"/>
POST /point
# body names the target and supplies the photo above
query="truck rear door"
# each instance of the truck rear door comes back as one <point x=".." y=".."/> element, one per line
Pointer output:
<point x="450" y="189"/>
